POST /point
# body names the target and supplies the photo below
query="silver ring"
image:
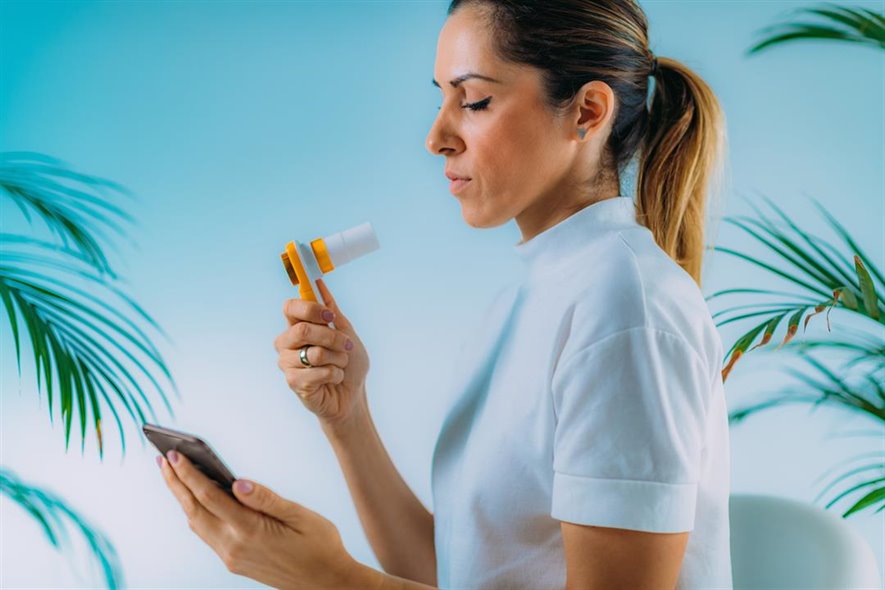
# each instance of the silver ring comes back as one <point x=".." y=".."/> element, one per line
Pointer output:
<point x="303" y="354"/>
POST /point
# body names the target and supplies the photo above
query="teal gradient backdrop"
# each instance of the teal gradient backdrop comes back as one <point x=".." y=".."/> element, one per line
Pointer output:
<point x="242" y="125"/>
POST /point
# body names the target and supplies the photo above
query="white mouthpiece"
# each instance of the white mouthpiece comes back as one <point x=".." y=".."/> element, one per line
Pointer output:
<point x="351" y="244"/>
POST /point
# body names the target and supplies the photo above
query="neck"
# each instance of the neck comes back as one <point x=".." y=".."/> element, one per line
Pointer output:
<point x="545" y="212"/>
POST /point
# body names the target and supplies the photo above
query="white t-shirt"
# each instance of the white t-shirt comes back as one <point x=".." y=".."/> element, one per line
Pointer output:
<point x="591" y="393"/>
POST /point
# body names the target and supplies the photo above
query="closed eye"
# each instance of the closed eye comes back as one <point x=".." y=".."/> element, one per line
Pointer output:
<point x="476" y="106"/>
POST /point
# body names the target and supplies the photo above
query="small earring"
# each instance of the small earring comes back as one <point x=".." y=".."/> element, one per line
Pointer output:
<point x="582" y="132"/>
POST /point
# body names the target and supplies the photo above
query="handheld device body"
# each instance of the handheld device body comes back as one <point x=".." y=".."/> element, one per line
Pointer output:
<point x="305" y="264"/>
<point x="195" y="449"/>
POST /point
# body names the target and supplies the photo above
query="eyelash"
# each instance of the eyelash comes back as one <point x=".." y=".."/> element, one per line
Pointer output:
<point x="475" y="106"/>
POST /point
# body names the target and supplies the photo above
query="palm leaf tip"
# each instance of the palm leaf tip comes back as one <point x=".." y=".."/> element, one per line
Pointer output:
<point x="769" y="330"/>
<point x="792" y="326"/>
<point x="734" y="358"/>
<point x="858" y="26"/>
<point x="74" y="206"/>
<point x="868" y="291"/>
<point x="55" y="516"/>
<point x="868" y="500"/>
<point x="846" y="296"/>
<point x="817" y="309"/>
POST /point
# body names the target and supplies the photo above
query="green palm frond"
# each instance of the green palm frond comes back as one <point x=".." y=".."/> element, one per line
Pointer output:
<point x="75" y="336"/>
<point x="825" y="279"/>
<point x="823" y="276"/>
<point x="826" y="387"/>
<point x="70" y="203"/>
<point x="872" y="497"/>
<point x="864" y="394"/>
<point x="52" y="513"/>
<point x="863" y="347"/>
<point x="79" y="338"/>
<point x="89" y="351"/>
<point x="859" y="26"/>
<point x="872" y="472"/>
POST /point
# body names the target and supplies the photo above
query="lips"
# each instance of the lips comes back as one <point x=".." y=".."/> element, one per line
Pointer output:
<point x="456" y="176"/>
<point x="458" y="184"/>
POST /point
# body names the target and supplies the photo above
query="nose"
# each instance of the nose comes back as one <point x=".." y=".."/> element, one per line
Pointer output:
<point x="443" y="138"/>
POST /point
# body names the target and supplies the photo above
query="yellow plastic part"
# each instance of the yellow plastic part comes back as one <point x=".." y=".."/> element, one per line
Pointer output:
<point x="304" y="288"/>
<point x="319" y="250"/>
<point x="295" y="269"/>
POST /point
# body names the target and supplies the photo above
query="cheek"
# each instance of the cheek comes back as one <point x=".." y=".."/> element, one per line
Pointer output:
<point x="502" y="169"/>
<point x="507" y="158"/>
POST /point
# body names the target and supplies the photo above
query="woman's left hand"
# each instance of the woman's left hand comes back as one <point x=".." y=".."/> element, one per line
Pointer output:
<point x="263" y="536"/>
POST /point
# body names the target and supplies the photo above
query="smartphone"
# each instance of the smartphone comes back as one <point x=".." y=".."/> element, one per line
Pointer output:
<point x="195" y="449"/>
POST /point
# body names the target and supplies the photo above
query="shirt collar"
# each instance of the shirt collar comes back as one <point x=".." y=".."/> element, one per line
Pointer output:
<point x="557" y="243"/>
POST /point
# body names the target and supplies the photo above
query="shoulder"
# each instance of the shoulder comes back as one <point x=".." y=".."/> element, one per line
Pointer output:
<point x="632" y="284"/>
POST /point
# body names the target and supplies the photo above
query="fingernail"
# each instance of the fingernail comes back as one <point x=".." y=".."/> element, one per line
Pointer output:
<point x="348" y="345"/>
<point x="159" y="460"/>
<point x="328" y="316"/>
<point x="173" y="456"/>
<point x="243" y="486"/>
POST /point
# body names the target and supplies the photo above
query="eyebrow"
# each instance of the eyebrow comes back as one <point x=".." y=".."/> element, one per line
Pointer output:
<point x="457" y="81"/>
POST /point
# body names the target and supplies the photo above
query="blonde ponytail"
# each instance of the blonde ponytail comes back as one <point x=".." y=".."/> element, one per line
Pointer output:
<point x="681" y="163"/>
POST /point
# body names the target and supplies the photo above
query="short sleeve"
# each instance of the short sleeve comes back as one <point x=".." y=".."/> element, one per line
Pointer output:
<point x="630" y="425"/>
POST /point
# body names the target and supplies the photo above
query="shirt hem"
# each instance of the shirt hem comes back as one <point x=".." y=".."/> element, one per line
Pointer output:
<point x="624" y="503"/>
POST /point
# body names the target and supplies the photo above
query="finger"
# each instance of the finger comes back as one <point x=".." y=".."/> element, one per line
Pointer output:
<point x="306" y="333"/>
<point x="208" y="493"/>
<point x="303" y="310"/>
<point x="316" y="356"/>
<point x="341" y="321"/>
<point x="308" y="381"/>
<point x="263" y="499"/>
<point x="205" y="524"/>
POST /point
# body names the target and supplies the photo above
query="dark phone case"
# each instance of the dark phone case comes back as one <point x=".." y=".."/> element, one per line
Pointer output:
<point x="196" y="450"/>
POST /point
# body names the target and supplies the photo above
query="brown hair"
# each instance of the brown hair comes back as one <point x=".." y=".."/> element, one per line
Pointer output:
<point x="680" y="136"/>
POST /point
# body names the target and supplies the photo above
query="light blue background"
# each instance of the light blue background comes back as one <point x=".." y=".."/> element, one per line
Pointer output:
<point x="241" y="126"/>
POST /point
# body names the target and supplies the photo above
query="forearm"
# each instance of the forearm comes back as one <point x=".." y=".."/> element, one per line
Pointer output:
<point x="363" y="577"/>
<point x="397" y="525"/>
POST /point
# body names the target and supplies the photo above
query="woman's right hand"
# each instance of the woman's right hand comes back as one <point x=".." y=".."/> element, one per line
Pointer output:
<point x="335" y="387"/>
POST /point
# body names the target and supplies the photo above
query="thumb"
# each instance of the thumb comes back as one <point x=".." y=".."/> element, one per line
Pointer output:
<point x="262" y="499"/>
<point x="341" y="321"/>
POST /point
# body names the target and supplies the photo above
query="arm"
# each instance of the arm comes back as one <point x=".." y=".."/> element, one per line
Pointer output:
<point x="597" y="558"/>
<point x="397" y="525"/>
<point x="365" y="578"/>
<point x="627" y="457"/>
<point x="611" y="558"/>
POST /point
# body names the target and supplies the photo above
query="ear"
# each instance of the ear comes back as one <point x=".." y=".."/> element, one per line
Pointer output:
<point x="594" y="110"/>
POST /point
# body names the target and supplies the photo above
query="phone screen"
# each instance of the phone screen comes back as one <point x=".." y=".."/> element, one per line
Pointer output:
<point x="195" y="449"/>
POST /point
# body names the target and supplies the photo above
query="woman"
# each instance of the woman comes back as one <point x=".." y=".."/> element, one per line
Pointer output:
<point x="589" y="445"/>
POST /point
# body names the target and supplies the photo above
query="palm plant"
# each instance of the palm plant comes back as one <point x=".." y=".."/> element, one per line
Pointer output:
<point x="56" y="296"/>
<point x="859" y="26"/>
<point x="827" y="279"/>
<point x="52" y="512"/>
<point x="813" y="264"/>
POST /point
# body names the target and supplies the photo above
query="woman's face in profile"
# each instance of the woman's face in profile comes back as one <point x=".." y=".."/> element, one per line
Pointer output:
<point x="513" y="149"/>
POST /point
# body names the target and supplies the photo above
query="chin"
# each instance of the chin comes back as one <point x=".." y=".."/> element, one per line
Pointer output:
<point x="477" y="220"/>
